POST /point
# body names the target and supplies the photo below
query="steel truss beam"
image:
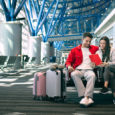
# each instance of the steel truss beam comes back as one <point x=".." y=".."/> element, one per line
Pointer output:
<point x="77" y="15"/>
<point x="65" y="37"/>
<point x="48" y="32"/>
<point x="10" y="11"/>
<point x="65" y="45"/>
<point x="86" y="19"/>
<point x="57" y="21"/>
<point x="82" y="5"/>
<point x="92" y="9"/>
<point x="41" y="17"/>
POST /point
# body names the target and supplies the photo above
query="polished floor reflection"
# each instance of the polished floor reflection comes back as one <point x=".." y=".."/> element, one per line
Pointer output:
<point x="16" y="98"/>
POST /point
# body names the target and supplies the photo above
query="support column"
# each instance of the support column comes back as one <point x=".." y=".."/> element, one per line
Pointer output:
<point x="52" y="54"/>
<point x="10" y="41"/>
<point x="51" y="51"/>
<point x="55" y="52"/>
<point x="25" y="44"/>
<point x="10" y="38"/>
<point x="58" y="56"/>
<point x="34" y="48"/>
<point x="45" y="51"/>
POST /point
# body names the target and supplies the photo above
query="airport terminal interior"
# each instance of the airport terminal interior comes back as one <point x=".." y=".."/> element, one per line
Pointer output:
<point x="36" y="34"/>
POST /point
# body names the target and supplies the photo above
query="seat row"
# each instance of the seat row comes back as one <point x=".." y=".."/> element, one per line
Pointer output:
<point x="14" y="62"/>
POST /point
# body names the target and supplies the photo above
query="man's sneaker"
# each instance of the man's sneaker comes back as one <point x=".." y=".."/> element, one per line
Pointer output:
<point x="104" y="90"/>
<point x="84" y="101"/>
<point x="113" y="101"/>
<point x="90" y="101"/>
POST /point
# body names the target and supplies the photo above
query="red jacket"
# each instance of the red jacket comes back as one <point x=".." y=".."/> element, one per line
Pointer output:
<point x="75" y="56"/>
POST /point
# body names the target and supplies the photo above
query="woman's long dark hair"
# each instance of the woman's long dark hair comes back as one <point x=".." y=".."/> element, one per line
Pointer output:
<point x="106" y="54"/>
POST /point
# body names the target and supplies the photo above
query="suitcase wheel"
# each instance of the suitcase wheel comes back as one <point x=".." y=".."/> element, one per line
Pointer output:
<point x="62" y="100"/>
<point x="46" y="98"/>
<point x="34" y="98"/>
<point x="58" y="99"/>
<point x="55" y="99"/>
<point x="40" y="98"/>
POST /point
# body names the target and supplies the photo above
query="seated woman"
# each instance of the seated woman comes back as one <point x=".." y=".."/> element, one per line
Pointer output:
<point x="111" y="70"/>
<point x="107" y="54"/>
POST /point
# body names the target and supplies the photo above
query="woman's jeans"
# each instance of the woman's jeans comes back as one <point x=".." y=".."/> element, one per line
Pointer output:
<point x="109" y="75"/>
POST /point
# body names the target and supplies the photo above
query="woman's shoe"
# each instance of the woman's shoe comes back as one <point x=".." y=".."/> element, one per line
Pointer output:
<point x="114" y="101"/>
<point x="104" y="90"/>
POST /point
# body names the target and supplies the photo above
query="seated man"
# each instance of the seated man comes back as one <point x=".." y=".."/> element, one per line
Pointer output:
<point x="79" y="64"/>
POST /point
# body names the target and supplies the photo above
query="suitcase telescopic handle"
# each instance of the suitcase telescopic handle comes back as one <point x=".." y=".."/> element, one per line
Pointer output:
<point x="56" y="72"/>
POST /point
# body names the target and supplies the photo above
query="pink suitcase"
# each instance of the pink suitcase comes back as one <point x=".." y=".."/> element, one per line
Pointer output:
<point x="39" y="86"/>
